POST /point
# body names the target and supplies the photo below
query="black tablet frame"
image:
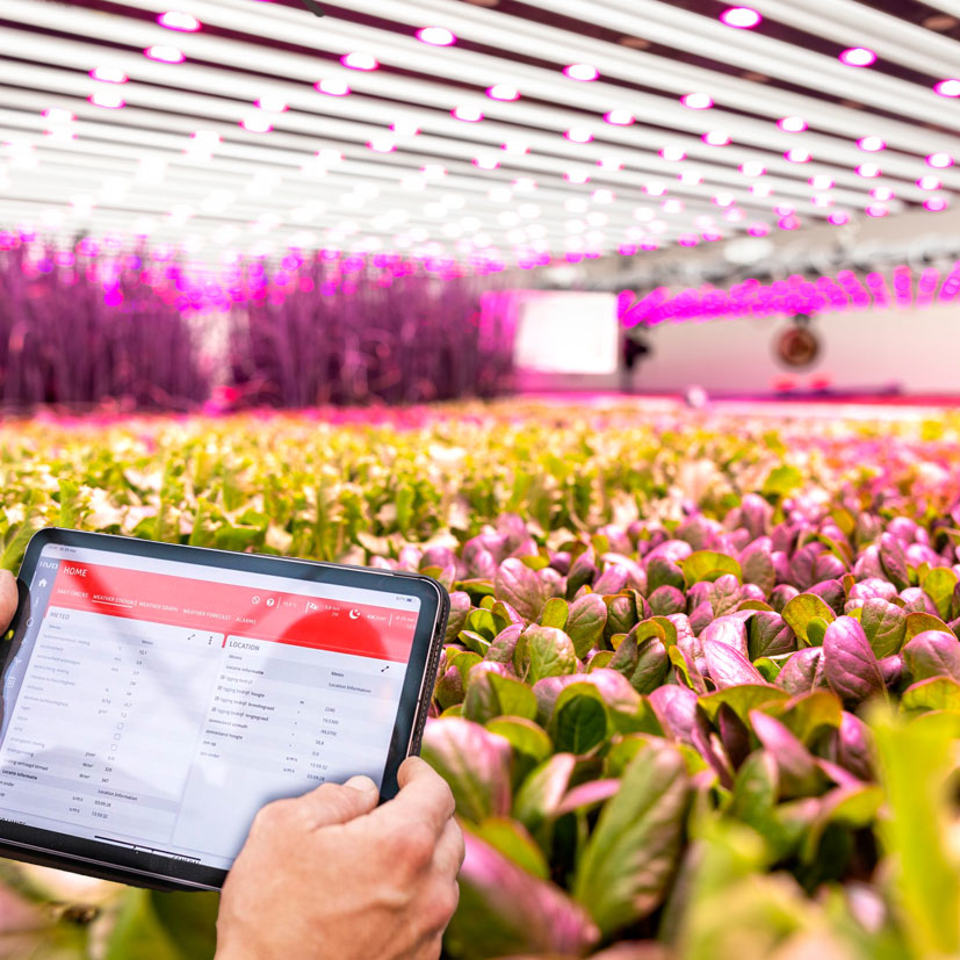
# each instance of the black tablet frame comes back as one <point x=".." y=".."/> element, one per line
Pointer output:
<point x="139" y="868"/>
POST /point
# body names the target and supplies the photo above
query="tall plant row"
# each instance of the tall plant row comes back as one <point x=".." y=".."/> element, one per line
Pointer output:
<point x="121" y="330"/>
<point x="700" y="688"/>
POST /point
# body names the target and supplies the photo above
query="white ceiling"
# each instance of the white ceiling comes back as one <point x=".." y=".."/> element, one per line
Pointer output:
<point x="175" y="162"/>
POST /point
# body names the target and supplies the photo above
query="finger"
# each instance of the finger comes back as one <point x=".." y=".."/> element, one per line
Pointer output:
<point x="9" y="598"/>
<point x="450" y="851"/>
<point x="334" y="803"/>
<point x="424" y="796"/>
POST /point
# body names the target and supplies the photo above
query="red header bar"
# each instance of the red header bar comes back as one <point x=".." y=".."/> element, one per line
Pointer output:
<point x="362" y="630"/>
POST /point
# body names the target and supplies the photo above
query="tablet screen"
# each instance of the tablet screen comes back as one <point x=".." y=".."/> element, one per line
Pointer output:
<point x="157" y="705"/>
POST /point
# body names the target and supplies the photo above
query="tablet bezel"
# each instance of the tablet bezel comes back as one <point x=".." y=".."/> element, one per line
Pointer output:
<point x="32" y="844"/>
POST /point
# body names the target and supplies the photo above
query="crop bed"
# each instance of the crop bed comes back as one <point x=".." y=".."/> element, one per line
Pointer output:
<point x="700" y="695"/>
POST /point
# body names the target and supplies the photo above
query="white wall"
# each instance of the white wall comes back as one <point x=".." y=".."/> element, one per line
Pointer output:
<point x="917" y="350"/>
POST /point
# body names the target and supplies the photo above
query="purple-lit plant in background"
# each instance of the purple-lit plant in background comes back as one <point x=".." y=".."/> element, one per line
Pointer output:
<point x="351" y="330"/>
<point x="78" y="330"/>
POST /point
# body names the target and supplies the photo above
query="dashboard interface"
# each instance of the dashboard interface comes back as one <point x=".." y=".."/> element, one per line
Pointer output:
<point x="157" y="705"/>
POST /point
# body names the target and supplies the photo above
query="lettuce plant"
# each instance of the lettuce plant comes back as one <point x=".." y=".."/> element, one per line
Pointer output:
<point x="700" y="688"/>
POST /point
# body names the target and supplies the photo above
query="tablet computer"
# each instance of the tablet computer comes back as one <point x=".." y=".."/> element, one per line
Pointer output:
<point x="155" y="696"/>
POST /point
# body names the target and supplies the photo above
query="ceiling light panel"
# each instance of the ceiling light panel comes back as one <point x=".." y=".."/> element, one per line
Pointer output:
<point x="234" y="137"/>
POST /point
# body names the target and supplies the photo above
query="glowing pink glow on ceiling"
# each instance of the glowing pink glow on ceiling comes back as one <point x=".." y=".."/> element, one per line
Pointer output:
<point x="858" y="57"/>
<point x="164" y="53"/>
<point x="792" y="124"/>
<point x="948" y="88"/>
<point x="108" y="74"/>
<point x="272" y="104"/>
<point x="503" y="91"/>
<point x="868" y="170"/>
<point x="177" y="20"/>
<point x="743" y="18"/>
<point x="673" y="153"/>
<point x="579" y="135"/>
<point x="467" y="114"/>
<point x="935" y="204"/>
<point x="620" y="118"/>
<point x="872" y="144"/>
<point x="929" y="182"/>
<point x="258" y="123"/>
<point x="839" y="218"/>
<point x="716" y="138"/>
<point x="940" y="161"/>
<point x="697" y="101"/>
<point x="821" y="182"/>
<point x="332" y="86"/>
<point x="798" y="155"/>
<point x="108" y="97"/>
<point x="359" y="61"/>
<point x="581" y="71"/>
<point x="436" y="36"/>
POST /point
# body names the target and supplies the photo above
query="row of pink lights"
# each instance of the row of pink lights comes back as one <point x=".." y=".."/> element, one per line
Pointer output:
<point x="798" y="295"/>
<point x="738" y="17"/>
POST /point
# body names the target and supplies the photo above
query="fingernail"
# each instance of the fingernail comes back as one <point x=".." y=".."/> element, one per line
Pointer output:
<point x="361" y="783"/>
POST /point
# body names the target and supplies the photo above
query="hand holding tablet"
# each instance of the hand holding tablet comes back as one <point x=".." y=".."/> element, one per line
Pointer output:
<point x="156" y="696"/>
<point x="332" y="875"/>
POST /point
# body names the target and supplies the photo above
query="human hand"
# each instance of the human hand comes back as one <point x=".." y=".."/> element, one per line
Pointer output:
<point x="332" y="875"/>
<point x="9" y="599"/>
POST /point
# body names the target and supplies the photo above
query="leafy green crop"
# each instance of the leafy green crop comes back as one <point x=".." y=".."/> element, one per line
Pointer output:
<point x="700" y="688"/>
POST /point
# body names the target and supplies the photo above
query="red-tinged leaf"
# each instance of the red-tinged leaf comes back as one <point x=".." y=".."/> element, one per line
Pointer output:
<point x="633" y="852"/>
<point x="587" y="796"/>
<point x="933" y="653"/>
<point x="505" y="910"/>
<point x="726" y="667"/>
<point x="849" y="663"/>
<point x="728" y="630"/>
<point x="475" y="763"/>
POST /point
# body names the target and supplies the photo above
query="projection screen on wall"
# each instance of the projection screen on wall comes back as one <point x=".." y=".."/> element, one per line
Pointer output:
<point x="566" y="333"/>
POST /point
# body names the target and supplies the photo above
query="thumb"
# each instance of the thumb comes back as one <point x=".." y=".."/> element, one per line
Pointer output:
<point x="332" y="803"/>
<point x="9" y="598"/>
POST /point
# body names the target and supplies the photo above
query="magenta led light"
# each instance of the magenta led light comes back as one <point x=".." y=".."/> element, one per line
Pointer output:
<point x="940" y="160"/>
<point x="821" y="182"/>
<point x="579" y="135"/>
<point x="716" y="138"/>
<point x="935" y="204"/>
<point x="468" y="114"/>
<point x="108" y="74"/>
<point x="257" y="124"/>
<point x="948" y="88"/>
<point x="929" y="182"/>
<point x="620" y="118"/>
<point x="877" y="210"/>
<point x="272" y="104"/>
<point x="868" y="170"/>
<point x="858" y="57"/>
<point x="882" y="193"/>
<point x="743" y="18"/>
<point x="792" y="124"/>
<point x="674" y="154"/>
<point x="503" y="91"/>
<point x="436" y="36"/>
<point x="359" y="61"/>
<point x="581" y="71"/>
<point x="752" y="168"/>
<point x="177" y="20"/>
<point x="798" y="155"/>
<point x="58" y="115"/>
<point x="164" y="54"/>
<point x="871" y="144"/>
<point x="108" y="97"/>
<point x="697" y="101"/>
<point x="332" y="86"/>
